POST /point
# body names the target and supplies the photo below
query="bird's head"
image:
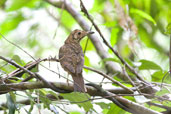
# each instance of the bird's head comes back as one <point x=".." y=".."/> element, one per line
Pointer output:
<point x="77" y="35"/>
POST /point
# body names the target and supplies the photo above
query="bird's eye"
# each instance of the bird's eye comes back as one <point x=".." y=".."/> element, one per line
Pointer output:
<point x="79" y="33"/>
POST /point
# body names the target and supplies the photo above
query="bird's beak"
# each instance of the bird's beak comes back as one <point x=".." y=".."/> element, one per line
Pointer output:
<point x="90" y="32"/>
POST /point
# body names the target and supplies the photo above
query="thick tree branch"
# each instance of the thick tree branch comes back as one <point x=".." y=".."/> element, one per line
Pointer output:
<point x="125" y="104"/>
<point x="110" y="94"/>
<point x="35" y="75"/>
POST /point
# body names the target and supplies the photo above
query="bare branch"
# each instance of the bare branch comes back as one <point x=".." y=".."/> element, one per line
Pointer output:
<point x="32" y="74"/>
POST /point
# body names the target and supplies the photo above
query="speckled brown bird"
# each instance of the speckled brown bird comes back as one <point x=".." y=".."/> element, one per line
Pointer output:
<point x="71" y="58"/>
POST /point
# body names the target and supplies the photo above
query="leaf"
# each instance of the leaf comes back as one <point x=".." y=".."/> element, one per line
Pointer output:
<point x="162" y="92"/>
<point x="74" y="112"/>
<point x="168" y="29"/>
<point x="158" y="75"/>
<point x="114" y="36"/>
<point x="17" y="59"/>
<point x="90" y="45"/>
<point x="35" y="69"/>
<point x="64" y="19"/>
<point x="79" y="97"/>
<point x="115" y="109"/>
<point x="142" y="14"/>
<point x="86" y="62"/>
<point x="97" y="6"/>
<point x="103" y="105"/>
<point x="17" y="4"/>
<point x="2" y="3"/>
<point x="11" y="22"/>
<point x="10" y="104"/>
<point x="148" y="65"/>
<point x="46" y="102"/>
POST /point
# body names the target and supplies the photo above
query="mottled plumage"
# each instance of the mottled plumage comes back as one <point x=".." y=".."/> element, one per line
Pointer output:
<point x="71" y="58"/>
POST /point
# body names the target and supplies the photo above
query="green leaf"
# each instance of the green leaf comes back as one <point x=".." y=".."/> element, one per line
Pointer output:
<point x="90" y="45"/>
<point x="148" y="65"/>
<point x="46" y="102"/>
<point x="97" y="6"/>
<point x="143" y="14"/>
<point x="158" y="75"/>
<point x="74" y="112"/>
<point x="2" y="3"/>
<point x="11" y="22"/>
<point x="35" y="69"/>
<point x="103" y="105"/>
<point x="163" y="92"/>
<point x="64" y="19"/>
<point x="105" y="111"/>
<point x="10" y="104"/>
<point x="81" y="99"/>
<point x="114" y="109"/>
<point x="114" y="36"/>
<point x="17" y="59"/>
<point x="168" y="29"/>
<point x="17" y="4"/>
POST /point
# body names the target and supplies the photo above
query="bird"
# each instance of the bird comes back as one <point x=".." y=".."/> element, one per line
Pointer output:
<point x="71" y="58"/>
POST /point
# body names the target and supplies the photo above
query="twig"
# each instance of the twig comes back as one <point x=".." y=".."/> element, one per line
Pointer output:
<point x="110" y="78"/>
<point x="83" y="9"/>
<point x="32" y="74"/>
<point x="123" y="103"/>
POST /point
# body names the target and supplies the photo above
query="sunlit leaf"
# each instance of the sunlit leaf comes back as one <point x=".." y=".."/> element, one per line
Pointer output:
<point x="35" y="69"/>
<point x="2" y="3"/>
<point x="11" y="22"/>
<point x="46" y="102"/>
<point x="67" y="19"/>
<point x="143" y="14"/>
<point x="97" y="6"/>
<point x="80" y="99"/>
<point x="90" y="45"/>
<point x="158" y="75"/>
<point x="17" y="4"/>
<point x="115" y="109"/>
<point x="17" y="59"/>
<point x="162" y="92"/>
<point x="148" y="65"/>
<point x="103" y="105"/>
<point x="114" y="36"/>
<point x="168" y="29"/>
<point x="74" y="112"/>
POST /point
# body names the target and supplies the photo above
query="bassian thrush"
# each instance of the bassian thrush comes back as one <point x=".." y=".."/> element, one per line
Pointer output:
<point x="71" y="58"/>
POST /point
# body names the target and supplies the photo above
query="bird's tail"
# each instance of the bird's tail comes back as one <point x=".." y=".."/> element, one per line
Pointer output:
<point x="79" y="83"/>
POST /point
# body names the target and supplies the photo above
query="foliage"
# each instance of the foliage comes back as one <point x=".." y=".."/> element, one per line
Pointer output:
<point x="40" y="29"/>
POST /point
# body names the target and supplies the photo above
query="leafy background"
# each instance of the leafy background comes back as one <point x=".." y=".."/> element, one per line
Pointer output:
<point x="41" y="29"/>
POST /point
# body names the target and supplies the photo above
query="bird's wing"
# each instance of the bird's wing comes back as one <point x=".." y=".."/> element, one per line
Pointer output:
<point x="71" y="60"/>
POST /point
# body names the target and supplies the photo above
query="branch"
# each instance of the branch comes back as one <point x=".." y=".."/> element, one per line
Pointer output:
<point x="123" y="103"/>
<point x="109" y="78"/>
<point x="68" y="87"/>
<point x="108" y="45"/>
<point x="35" y="75"/>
